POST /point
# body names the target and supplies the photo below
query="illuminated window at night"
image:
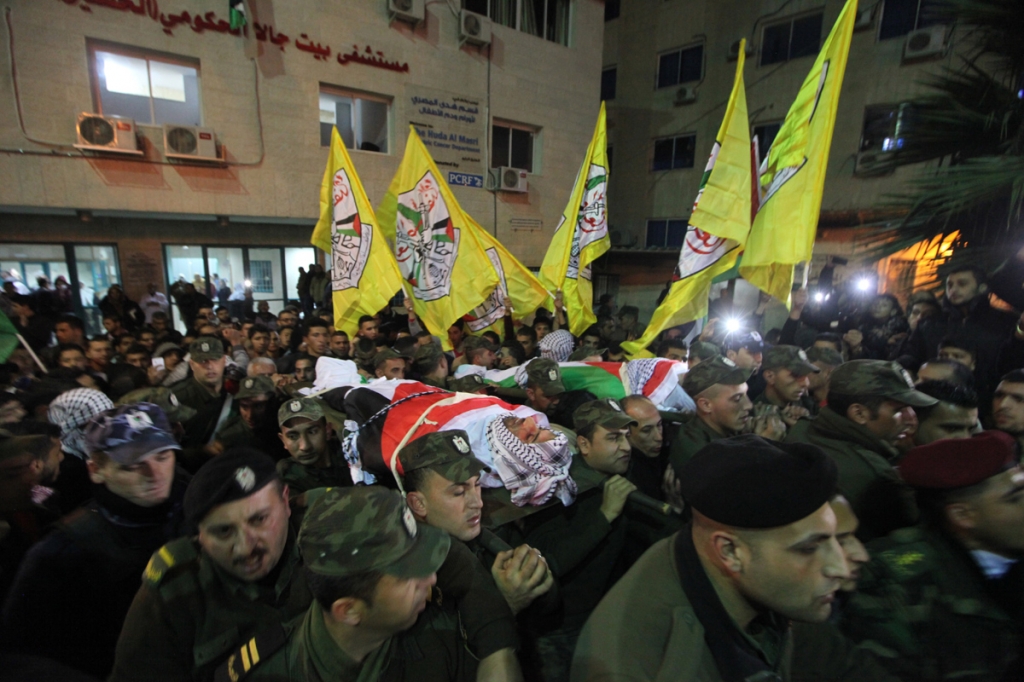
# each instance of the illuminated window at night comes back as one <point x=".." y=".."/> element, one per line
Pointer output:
<point x="152" y="89"/>
<point x="362" y="119"/>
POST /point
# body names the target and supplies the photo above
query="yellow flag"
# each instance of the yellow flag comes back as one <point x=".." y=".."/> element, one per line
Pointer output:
<point x="719" y="224"/>
<point x="582" y="234"/>
<point x="515" y="281"/>
<point x="792" y="176"/>
<point x="446" y="270"/>
<point x="364" y="274"/>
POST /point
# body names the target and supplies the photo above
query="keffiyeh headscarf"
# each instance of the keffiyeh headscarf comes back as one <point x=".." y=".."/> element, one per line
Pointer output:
<point x="532" y="472"/>
<point x="71" y="411"/>
<point x="557" y="345"/>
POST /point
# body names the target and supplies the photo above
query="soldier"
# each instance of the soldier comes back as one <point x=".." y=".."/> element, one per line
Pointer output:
<point x="315" y="459"/>
<point x="1008" y="406"/>
<point x="787" y="375"/>
<point x="942" y="601"/>
<point x="256" y="402"/>
<point x="826" y="360"/>
<point x="371" y="569"/>
<point x="479" y="351"/>
<point x="870" y="410"/>
<point x="75" y="586"/>
<point x="648" y="461"/>
<point x="544" y="387"/>
<point x="207" y="359"/>
<point x="714" y="601"/>
<point x="701" y="351"/>
<point x="745" y="348"/>
<point x="164" y="398"/>
<point x="389" y="364"/>
<point x="430" y="365"/>
<point x="954" y="416"/>
<point x="470" y="383"/>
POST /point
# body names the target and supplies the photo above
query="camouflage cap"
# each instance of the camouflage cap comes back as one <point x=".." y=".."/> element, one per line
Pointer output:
<point x="877" y="378"/>
<point x="704" y="350"/>
<point x="130" y="433"/>
<point x="350" y="531"/>
<point x="387" y="354"/>
<point x="206" y="348"/>
<point x="472" y="343"/>
<point x="446" y="452"/>
<point x="425" y="358"/>
<point x="307" y="408"/>
<point x="364" y="350"/>
<point x="605" y="412"/>
<point x="717" y="370"/>
<point x="584" y="352"/>
<point x="471" y="383"/>
<point x="826" y="356"/>
<point x="792" y="358"/>
<point x="163" y="398"/>
<point x="253" y="387"/>
<point x="545" y="375"/>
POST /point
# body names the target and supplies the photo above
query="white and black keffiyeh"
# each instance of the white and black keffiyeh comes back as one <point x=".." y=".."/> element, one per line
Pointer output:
<point x="532" y="472"/>
<point x="71" y="411"/>
<point x="557" y="345"/>
<point x="639" y="372"/>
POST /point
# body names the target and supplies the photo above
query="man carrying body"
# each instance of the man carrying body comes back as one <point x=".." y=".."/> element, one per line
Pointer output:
<point x="256" y="404"/>
<point x="315" y="459"/>
<point x="206" y="385"/>
<point x="544" y="387"/>
<point x="954" y="416"/>
<point x="430" y="365"/>
<point x="479" y="351"/>
<point x="1008" y="406"/>
<point x="389" y="364"/>
<point x="340" y="345"/>
<point x="673" y="349"/>
<point x="787" y="374"/>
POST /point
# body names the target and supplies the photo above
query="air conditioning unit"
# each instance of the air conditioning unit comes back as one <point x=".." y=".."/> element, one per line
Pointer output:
<point x="107" y="134"/>
<point x="505" y="179"/>
<point x="924" y="43"/>
<point x="865" y="19"/>
<point x="686" y="95"/>
<point x="872" y="164"/>
<point x="190" y="142"/>
<point x="734" y="50"/>
<point x="474" y="28"/>
<point x="410" y="11"/>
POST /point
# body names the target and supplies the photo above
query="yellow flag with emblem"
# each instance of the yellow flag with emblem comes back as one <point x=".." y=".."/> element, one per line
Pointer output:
<point x="444" y="266"/>
<point x="792" y="177"/>
<point x="582" y="234"/>
<point x="364" y="274"/>
<point x="719" y="223"/>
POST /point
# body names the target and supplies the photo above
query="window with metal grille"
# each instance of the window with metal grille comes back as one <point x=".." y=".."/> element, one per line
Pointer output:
<point x="261" y="273"/>
<point x="547" y="19"/>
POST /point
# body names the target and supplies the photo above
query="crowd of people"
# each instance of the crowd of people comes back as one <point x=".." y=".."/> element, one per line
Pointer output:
<point x="264" y="496"/>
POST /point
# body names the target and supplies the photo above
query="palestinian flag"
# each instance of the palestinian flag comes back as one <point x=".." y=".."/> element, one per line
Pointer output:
<point x="236" y="13"/>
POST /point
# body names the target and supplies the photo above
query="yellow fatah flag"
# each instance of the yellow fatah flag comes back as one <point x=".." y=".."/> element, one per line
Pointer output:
<point x="719" y="224"/>
<point x="582" y="235"/>
<point x="446" y="271"/>
<point x="792" y="176"/>
<point x="364" y="274"/>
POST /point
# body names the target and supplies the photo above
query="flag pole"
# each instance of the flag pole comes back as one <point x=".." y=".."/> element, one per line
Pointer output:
<point x="32" y="353"/>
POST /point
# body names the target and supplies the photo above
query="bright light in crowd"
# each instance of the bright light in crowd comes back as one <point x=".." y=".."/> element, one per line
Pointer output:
<point x="248" y="283"/>
<point x="863" y="284"/>
<point x="819" y="297"/>
<point x="732" y="325"/>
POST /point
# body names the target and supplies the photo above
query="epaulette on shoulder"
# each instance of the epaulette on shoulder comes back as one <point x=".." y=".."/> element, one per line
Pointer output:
<point x="175" y="553"/>
<point x="247" y="657"/>
<point x="905" y="553"/>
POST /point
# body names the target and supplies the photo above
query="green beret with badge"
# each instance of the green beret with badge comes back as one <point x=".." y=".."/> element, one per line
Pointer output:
<point x="206" y="348"/>
<point x="307" y="408"/>
<point x="446" y="452"/>
<point x="879" y="379"/>
<point x="254" y="387"/>
<point x="791" y="358"/>
<point x="717" y="370"/>
<point x="605" y="412"/>
<point x="544" y="374"/>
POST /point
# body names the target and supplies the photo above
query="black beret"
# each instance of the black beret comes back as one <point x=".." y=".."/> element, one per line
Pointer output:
<point x="234" y="475"/>
<point x="749" y="482"/>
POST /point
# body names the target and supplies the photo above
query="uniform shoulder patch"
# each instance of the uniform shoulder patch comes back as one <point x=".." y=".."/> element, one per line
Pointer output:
<point x="251" y="653"/>
<point x="904" y="555"/>
<point x="175" y="553"/>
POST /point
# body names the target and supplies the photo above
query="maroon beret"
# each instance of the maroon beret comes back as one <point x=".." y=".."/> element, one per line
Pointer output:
<point x="959" y="462"/>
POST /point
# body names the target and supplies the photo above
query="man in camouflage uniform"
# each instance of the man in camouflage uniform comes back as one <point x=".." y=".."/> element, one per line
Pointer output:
<point x="943" y="600"/>
<point x="430" y="365"/>
<point x="389" y="364"/>
<point x="701" y="351"/>
<point x="372" y="570"/>
<point x="315" y="459"/>
<point x="255" y="400"/>
<point x="206" y="385"/>
<point x="544" y="387"/>
<point x="787" y="375"/>
<point x="870" y="411"/>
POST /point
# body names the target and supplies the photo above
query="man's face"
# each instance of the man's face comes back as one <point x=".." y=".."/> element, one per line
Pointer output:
<point x="528" y="345"/>
<point x="946" y="421"/>
<point x="788" y="387"/>
<point x="247" y="537"/>
<point x="854" y="551"/>
<point x="340" y="345"/>
<point x="606" y="450"/>
<point x="67" y="334"/>
<point x="964" y="357"/>
<point x="159" y="324"/>
<point x="392" y="369"/>
<point x="205" y="315"/>
<point x="455" y="336"/>
<point x="260" y="342"/>
<point x="147" y="340"/>
<point x="305" y="439"/>
<point x="996" y="514"/>
<point x="124" y="343"/>
<point x="171" y="360"/>
<point x="99" y="353"/>
<point x="961" y="287"/>
<point x="919" y="312"/>
<point x="223" y="316"/>
<point x="317" y="341"/>
<point x="20" y="474"/>
<point x="305" y="370"/>
<point x="209" y="373"/>
<point x="726" y="408"/>
<point x="111" y="324"/>
<point x="146" y="483"/>
<point x="453" y="507"/>
<point x="73" y="359"/>
<point x="485" y="358"/>
<point x="528" y="430"/>
<point x="590" y="340"/>
<point x="794" y="570"/>
<point x="745" y="358"/>
<point x="893" y="422"/>
<point x="253" y="410"/>
<point x="397" y="603"/>
<point x="677" y="354"/>
<point x="608" y="328"/>
<point x="369" y="329"/>
<point x="1008" y="407"/>
<point x="262" y="307"/>
<point x="140" y="360"/>
<point x="541" y="402"/>
<point x="817" y="380"/>
<point x="646" y="435"/>
<point x="542" y="329"/>
<point x="627" y="321"/>
<point x="286" y="319"/>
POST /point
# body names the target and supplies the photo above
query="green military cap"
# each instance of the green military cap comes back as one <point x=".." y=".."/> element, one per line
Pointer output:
<point x="307" y="408"/>
<point x="471" y="383"/>
<point x="252" y="387"/>
<point x="446" y="452"/>
<point x="877" y="378"/>
<point x="705" y="350"/>
<point x="426" y="356"/>
<point x="356" y="530"/>
<point x="545" y="375"/>
<point x="584" y="352"/>
<point x="474" y="342"/>
<point x="826" y="356"/>
<point x="206" y="348"/>
<point x="792" y="358"/>
<point x="605" y="412"/>
<point x="163" y="398"/>
<point x="387" y="354"/>
<point x="717" y="370"/>
<point x="364" y="350"/>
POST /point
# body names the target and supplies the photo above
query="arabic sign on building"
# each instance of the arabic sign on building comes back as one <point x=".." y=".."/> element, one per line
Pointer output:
<point x="454" y="129"/>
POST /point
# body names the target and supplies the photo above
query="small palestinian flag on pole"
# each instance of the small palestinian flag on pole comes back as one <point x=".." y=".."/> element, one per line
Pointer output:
<point x="236" y="11"/>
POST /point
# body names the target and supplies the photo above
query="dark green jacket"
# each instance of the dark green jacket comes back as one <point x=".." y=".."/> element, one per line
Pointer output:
<point x="929" y="613"/>
<point x="692" y="436"/>
<point x="881" y="500"/>
<point x="193" y="394"/>
<point x="301" y="477"/>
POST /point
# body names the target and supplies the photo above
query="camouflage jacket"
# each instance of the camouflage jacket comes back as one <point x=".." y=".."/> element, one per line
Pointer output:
<point x="301" y="477"/>
<point x="928" y="612"/>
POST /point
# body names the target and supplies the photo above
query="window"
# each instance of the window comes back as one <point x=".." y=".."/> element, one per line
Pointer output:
<point x="548" y="19"/>
<point x="680" y="66"/>
<point x="611" y="9"/>
<point x="885" y="126"/>
<point x="362" y="120"/>
<point x="765" y="135"/>
<point x="900" y="17"/>
<point x="674" y="152"/>
<point x="800" y="37"/>
<point x="662" y="233"/>
<point x="512" y="145"/>
<point x="151" y="89"/>
<point x="261" y="274"/>
<point x="608" y="84"/>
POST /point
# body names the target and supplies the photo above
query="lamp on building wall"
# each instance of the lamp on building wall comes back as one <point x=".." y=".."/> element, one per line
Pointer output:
<point x="84" y="216"/>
